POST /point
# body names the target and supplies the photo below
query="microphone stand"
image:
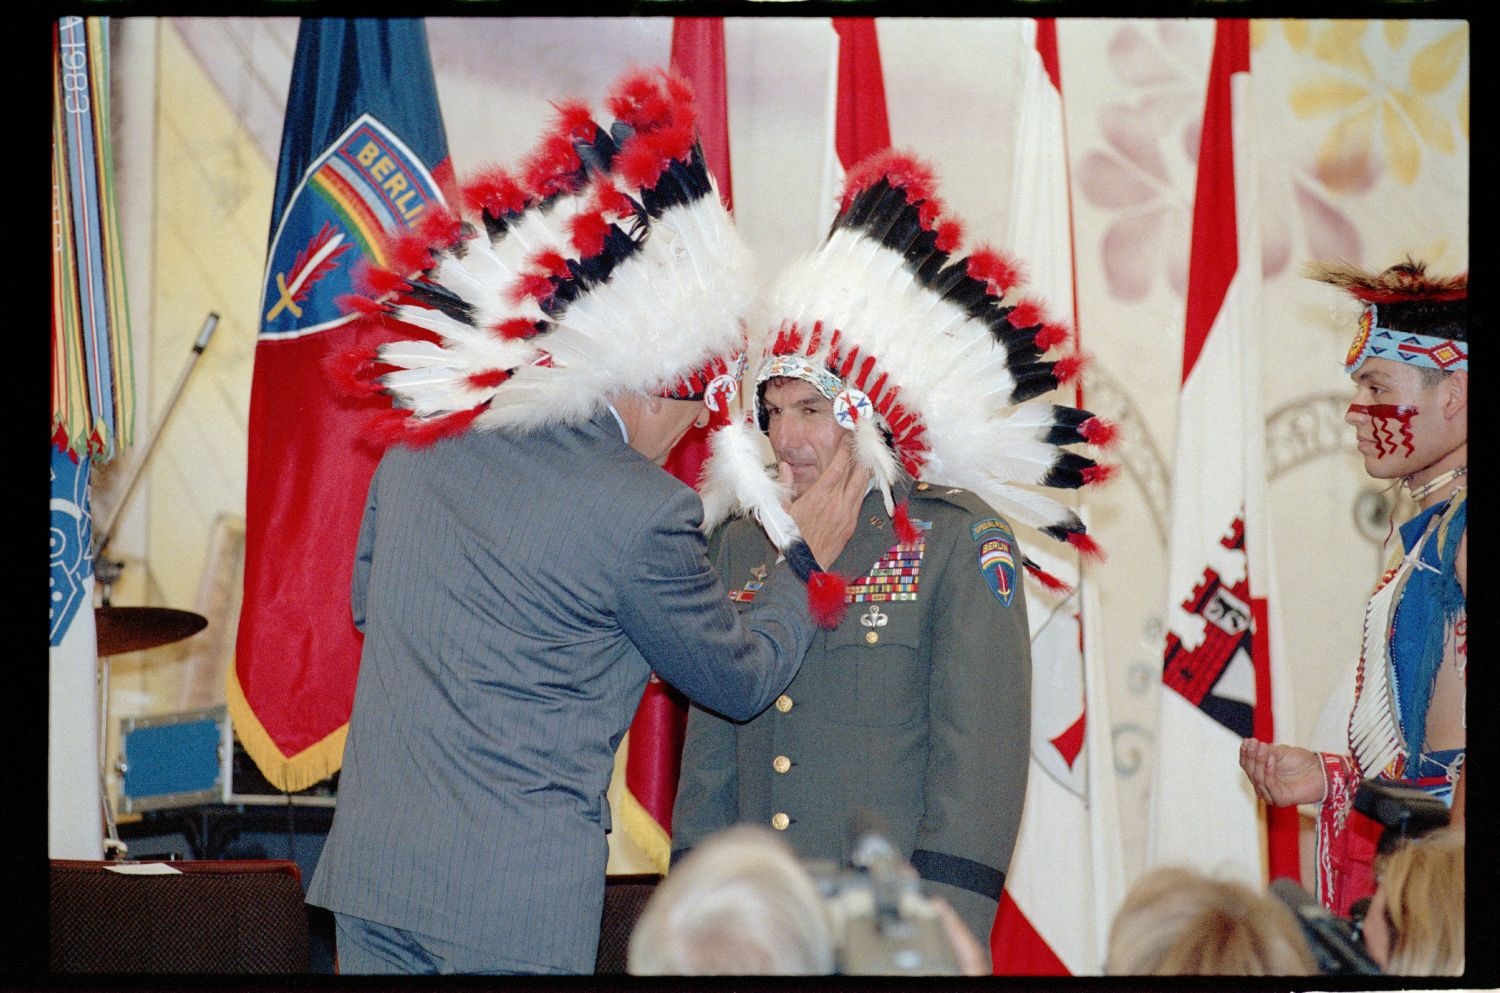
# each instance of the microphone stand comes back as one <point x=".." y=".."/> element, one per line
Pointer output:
<point x="108" y="572"/>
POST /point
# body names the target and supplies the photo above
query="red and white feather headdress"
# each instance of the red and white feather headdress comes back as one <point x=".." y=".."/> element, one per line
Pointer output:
<point x="931" y="361"/>
<point x="605" y="264"/>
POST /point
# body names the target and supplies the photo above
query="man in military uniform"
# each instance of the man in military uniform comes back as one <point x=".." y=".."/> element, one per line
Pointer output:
<point x="915" y="708"/>
<point x="913" y="703"/>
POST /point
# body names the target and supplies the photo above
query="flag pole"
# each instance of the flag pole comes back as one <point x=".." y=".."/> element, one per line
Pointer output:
<point x="108" y="570"/>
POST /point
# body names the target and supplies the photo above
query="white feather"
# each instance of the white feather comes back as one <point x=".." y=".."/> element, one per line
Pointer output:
<point x="736" y="480"/>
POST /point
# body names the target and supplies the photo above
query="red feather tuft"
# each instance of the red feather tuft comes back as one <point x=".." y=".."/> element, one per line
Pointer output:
<point x="950" y="232"/>
<point x="377" y="282"/>
<point x="350" y="303"/>
<point x="441" y="228"/>
<point x="910" y="174"/>
<point x="488" y="379"/>
<point x="1098" y="432"/>
<point x="1027" y="314"/>
<point x="1048" y="580"/>
<point x="906" y="531"/>
<point x="550" y="261"/>
<point x="419" y="433"/>
<point x="1052" y="334"/>
<point x="1099" y="474"/>
<point x="515" y="328"/>
<point x="928" y="212"/>
<point x="825" y="598"/>
<point x="495" y="192"/>
<point x="610" y="200"/>
<point x="575" y="120"/>
<point x="1087" y="547"/>
<point x="637" y="99"/>
<point x="551" y="167"/>
<point x="1000" y="273"/>
<point x="530" y="285"/>
<point x="387" y="426"/>
<point x="349" y="370"/>
<point x="900" y="169"/>
<point x="639" y="165"/>
<point x="587" y="231"/>
<point x="411" y="253"/>
<point x="1069" y="367"/>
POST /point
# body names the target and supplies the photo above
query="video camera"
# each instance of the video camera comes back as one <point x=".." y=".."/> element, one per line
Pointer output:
<point x="1335" y="947"/>
<point x="1405" y="813"/>
<point x="883" y="923"/>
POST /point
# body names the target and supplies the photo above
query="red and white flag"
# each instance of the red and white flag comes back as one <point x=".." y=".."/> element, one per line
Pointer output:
<point x="1220" y="676"/>
<point x="858" y="124"/>
<point x="1066" y="876"/>
<point x="653" y="754"/>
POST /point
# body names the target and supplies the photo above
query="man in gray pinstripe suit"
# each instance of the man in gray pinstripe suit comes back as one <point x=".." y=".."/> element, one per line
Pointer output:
<point x="515" y="593"/>
<point x="518" y="578"/>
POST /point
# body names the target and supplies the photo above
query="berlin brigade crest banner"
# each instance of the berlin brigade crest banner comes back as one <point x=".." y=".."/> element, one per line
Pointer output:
<point x="363" y="158"/>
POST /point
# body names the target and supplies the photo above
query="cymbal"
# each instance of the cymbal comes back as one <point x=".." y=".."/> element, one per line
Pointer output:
<point x="134" y="629"/>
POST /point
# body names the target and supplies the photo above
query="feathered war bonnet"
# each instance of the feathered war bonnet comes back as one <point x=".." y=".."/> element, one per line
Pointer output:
<point x="926" y="363"/>
<point x="604" y="264"/>
<point x="1406" y="316"/>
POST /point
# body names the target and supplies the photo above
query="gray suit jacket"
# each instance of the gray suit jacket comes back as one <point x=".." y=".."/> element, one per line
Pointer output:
<point x="515" y="594"/>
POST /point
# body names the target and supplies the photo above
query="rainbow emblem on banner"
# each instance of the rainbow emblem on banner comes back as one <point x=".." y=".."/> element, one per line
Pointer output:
<point x="368" y="184"/>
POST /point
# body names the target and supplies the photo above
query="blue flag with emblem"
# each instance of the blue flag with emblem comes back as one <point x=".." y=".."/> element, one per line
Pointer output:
<point x="364" y="158"/>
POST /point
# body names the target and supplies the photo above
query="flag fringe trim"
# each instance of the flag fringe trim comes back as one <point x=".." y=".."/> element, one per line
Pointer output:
<point x="644" y="831"/>
<point x="307" y="768"/>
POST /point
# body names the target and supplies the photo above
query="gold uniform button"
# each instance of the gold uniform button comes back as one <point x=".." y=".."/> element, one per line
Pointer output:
<point x="871" y="637"/>
<point x="784" y="703"/>
<point x="781" y="763"/>
<point x="780" y="821"/>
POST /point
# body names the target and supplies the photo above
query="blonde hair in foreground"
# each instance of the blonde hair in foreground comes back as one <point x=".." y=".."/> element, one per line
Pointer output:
<point x="1176" y="922"/>
<point x="1423" y="884"/>
<point x="739" y="904"/>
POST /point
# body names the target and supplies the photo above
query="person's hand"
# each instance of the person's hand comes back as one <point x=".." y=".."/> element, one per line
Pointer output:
<point x="1282" y="774"/>
<point x="828" y="510"/>
<point x="973" y="959"/>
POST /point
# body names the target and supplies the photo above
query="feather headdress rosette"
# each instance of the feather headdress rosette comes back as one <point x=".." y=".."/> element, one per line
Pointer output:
<point x="931" y="359"/>
<point x="1406" y="315"/>
<point x="604" y="264"/>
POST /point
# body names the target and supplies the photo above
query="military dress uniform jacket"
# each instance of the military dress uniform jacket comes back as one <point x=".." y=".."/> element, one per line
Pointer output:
<point x="916" y="708"/>
<point x="514" y="594"/>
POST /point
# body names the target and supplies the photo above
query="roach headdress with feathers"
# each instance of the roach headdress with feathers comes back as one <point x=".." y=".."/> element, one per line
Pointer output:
<point x="1406" y="317"/>
<point x="605" y="264"/>
<point x="927" y="364"/>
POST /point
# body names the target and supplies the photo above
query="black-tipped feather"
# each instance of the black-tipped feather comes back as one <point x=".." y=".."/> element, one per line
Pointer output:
<point x="680" y="183"/>
<point x="441" y="298"/>
<point x="1065" y="431"/>
<point x="1061" y="530"/>
<point x="598" y="154"/>
<point x="1067" y="471"/>
<point x="1032" y="380"/>
<point x="585" y="274"/>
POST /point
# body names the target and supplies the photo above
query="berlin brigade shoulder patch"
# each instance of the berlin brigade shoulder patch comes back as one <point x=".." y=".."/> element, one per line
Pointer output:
<point x="997" y="557"/>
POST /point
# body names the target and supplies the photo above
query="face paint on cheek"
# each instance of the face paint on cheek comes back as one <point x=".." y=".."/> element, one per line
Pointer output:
<point x="1386" y="420"/>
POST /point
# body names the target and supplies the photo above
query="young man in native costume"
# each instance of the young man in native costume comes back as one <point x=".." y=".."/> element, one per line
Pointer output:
<point x="1410" y="365"/>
